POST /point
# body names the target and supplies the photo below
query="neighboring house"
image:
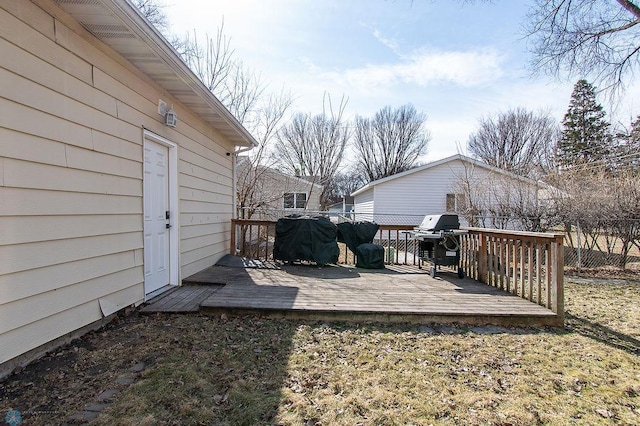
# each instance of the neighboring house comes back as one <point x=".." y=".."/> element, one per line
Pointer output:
<point x="456" y="184"/>
<point x="106" y="200"/>
<point x="342" y="208"/>
<point x="266" y="192"/>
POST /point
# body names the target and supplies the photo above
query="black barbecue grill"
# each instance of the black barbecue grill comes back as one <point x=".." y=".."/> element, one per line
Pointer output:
<point x="438" y="239"/>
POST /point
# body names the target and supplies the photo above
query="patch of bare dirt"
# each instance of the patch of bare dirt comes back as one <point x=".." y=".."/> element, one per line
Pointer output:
<point x="62" y="383"/>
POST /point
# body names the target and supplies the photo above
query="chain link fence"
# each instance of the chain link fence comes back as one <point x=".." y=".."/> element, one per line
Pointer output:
<point x="596" y="245"/>
<point x="335" y="216"/>
<point x="590" y="243"/>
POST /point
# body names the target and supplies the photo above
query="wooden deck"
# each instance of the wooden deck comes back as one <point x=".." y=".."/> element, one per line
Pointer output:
<point x="180" y="299"/>
<point x="397" y="294"/>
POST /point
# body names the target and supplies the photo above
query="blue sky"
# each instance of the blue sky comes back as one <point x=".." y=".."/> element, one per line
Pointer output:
<point x="455" y="61"/>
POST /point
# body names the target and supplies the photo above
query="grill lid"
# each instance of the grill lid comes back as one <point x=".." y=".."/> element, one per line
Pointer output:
<point x="439" y="222"/>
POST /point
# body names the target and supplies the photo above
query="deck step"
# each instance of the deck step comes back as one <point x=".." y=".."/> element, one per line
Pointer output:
<point x="186" y="298"/>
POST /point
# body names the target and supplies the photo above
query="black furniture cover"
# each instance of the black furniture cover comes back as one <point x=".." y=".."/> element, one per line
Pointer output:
<point x="355" y="233"/>
<point x="370" y="256"/>
<point x="306" y="238"/>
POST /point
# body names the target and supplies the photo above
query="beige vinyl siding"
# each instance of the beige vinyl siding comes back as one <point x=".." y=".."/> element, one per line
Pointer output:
<point x="49" y="278"/>
<point x="271" y="185"/>
<point x="19" y="202"/>
<point x="71" y="120"/>
<point x="205" y="209"/>
<point x="293" y="185"/>
<point x="38" y="254"/>
<point x="21" y="311"/>
<point x="73" y="319"/>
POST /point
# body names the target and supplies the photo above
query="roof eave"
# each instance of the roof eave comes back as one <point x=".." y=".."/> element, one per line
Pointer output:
<point x="439" y="162"/>
<point x="163" y="48"/>
<point x="207" y="106"/>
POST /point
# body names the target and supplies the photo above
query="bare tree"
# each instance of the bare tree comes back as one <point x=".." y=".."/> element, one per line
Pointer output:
<point x="247" y="97"/>
<point x="390" y="142"/>
<point x="261" y="190"/>
<point x="605" y="206"/>
<point x="214" y="62"/>
<point x="153" y="11"/>
<point x="518" y="141"/>
<point x="313" y="146"/>
<point x="586" y="38"/>
<point x="243" y="93"/>
<point x="500" y="200"/>
<point x="343" y="184"/>
<point x="466" y="185"/>
<point x="254" y="188"/>
<point x="627" y="152"/>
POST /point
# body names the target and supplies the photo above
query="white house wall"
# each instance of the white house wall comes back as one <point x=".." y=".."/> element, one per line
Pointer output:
<point x="411" y="197"/>
<point x="364" y="205"/>
<point x="71" y="134"/>
<point x="407" y="199"/>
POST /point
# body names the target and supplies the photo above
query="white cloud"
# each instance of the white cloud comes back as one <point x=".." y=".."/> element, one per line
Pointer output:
<point x="424" y="68"/>
<point x="309" y="65"/>
<point x="390" y="43"/>
<point x="465" y="69"/>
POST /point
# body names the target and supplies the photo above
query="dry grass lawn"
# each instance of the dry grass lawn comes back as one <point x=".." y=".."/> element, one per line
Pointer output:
<point x="252" y="370"/>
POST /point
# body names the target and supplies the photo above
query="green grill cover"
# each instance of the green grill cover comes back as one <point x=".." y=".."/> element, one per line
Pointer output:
<point x="306" y="238"/>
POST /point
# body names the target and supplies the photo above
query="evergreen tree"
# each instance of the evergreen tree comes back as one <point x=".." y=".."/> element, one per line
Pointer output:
<point x="585" y="135"/>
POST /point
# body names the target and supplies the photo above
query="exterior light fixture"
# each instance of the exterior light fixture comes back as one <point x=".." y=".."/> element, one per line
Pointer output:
<point x="169" y="115"/>
<point x="171" y="118"/>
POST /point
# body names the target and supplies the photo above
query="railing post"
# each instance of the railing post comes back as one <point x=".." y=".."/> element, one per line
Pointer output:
<point x="232" y="249"/>
<point x="557" y="296"/>
<point x="482" y="259"/>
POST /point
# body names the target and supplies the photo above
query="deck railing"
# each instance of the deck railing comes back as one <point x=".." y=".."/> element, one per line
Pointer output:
<point x="253" y="238"/>
<point x="527" y="264"/>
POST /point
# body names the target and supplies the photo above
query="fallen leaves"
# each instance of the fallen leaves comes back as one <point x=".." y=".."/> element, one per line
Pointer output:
<point x="250" y="370"/>
<point x="607" y="414"/>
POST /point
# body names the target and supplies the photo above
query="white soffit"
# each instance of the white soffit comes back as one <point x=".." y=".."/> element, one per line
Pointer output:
<point x="120" y="26"/>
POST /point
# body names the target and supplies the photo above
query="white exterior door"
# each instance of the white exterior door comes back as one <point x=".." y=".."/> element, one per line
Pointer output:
<point x="157" y="216"/>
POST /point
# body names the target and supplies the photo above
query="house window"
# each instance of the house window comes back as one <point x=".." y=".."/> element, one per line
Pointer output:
<point x="295" y="200"/>
<point x="456" y="202"/>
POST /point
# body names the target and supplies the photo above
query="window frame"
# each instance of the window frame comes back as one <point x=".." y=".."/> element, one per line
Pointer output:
<point x="458" y="201"/>
<point x="298" y="198"/>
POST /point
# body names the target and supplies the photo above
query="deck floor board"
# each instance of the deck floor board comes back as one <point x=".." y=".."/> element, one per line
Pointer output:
<point x="397" y="293"/>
